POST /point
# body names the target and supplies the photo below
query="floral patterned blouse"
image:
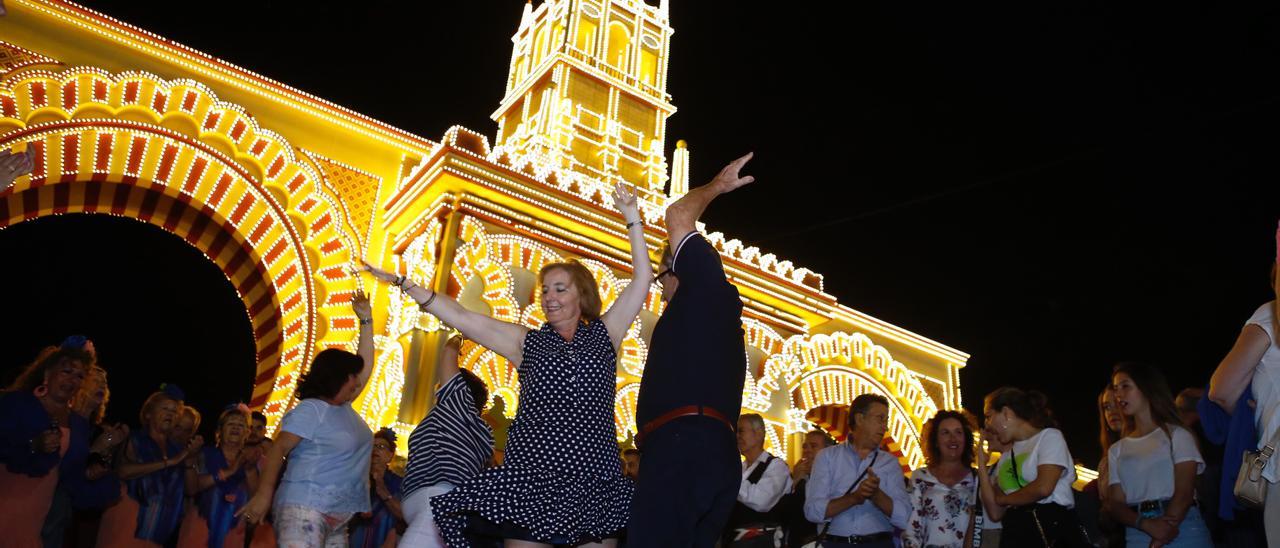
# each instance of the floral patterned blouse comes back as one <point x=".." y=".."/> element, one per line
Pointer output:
<point x="939" y="514"/>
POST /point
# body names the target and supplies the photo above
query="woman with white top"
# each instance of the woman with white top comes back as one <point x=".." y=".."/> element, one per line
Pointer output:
<point x="1035" y="496"/>
<point x="1152" y="470"/>
<point x="1255" y="358"/>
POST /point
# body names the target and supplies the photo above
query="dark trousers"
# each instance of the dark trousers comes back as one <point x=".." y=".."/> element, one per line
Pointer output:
<point x="689" y="478"/>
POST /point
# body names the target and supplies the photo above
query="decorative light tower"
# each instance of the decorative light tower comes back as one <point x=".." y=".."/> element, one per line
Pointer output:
<point x="586" y="91"/>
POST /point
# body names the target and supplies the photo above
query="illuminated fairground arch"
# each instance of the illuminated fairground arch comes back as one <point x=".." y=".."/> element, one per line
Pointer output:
<point x="172" y="155"/>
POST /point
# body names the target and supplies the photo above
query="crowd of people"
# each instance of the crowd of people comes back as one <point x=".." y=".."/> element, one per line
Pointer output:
<point x="699" y="476"/>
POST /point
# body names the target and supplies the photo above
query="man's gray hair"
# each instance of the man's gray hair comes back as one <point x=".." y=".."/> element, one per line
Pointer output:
<point x="756" y="421"/>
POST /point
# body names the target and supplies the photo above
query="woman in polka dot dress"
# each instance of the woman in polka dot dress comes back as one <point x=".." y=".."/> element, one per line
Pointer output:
<point x="561" y="481"/>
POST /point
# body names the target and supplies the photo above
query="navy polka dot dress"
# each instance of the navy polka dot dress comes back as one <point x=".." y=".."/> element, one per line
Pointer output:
<point x="561" y="479"/>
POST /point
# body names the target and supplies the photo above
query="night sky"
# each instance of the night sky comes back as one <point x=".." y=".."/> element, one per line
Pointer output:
<point x="1050" y="188"/>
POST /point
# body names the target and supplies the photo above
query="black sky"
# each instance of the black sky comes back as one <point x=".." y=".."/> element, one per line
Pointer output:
<point x="1051" y="188"/>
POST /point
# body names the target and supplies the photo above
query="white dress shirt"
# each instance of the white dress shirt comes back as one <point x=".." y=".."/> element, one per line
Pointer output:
<point x="764" y="494"/>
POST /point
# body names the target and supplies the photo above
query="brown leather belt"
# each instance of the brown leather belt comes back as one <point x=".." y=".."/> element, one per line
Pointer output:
<point x="686" y="411"/>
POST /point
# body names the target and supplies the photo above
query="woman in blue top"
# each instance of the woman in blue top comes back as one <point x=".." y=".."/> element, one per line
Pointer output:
<point x="86" y="478"/>
<point x="386" y="517"/>
<point x="221" y="481"/>
<point x="328" y="446"/>
<point x="561" y="478"/>
<point x="151" y="466"/>
<point x="35" y="433"/>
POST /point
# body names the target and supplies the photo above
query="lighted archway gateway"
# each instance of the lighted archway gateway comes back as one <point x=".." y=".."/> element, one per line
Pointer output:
<point x="171" y="154"/>
<point x="286" y="199"/>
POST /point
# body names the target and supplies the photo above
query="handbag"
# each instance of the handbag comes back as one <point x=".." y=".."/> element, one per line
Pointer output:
<point x="1082" y="539"/>
<point x="1251" y="487"/>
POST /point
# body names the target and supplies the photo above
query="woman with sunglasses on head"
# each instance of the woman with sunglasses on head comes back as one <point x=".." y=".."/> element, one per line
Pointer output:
<point x="385" y="520"/>
<point x="1035" y="496"/>
<point x="1151" y="471"/>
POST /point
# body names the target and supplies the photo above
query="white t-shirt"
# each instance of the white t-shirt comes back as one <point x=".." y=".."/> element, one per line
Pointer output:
<point x="1266" y="387"/>
<point x="1143" y="466"/>
<point x="1046" y="447"/>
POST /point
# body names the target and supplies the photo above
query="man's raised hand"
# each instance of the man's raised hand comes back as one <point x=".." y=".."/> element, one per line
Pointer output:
<point x="729" y="179"/>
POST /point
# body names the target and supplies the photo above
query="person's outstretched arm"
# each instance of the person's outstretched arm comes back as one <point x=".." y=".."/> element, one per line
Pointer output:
<point x="364" y="348"/>
<point x="683" y="215"/>
<point x="624" y="310"/>
<point x="505" y="338"/>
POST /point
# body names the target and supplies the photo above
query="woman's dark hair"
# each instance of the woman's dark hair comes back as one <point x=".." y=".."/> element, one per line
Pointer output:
<point x="329" y="371"/>
<point x="932" y="451"/>
<point x="479" y="391"/>
<point x="1106" y="436"/>
<point x="1151" y="382"/>
<point x="48" y="359"/>
<point x="1029" y="405"/>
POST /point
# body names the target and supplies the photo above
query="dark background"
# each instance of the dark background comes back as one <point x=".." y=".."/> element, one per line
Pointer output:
<point x="1049" y="188"/>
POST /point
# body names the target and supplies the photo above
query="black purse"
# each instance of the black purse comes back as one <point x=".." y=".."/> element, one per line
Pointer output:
<point x="1063" y="522"/>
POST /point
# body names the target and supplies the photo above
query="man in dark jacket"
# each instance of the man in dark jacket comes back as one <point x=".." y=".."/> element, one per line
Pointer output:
<point x="691" y="392"/>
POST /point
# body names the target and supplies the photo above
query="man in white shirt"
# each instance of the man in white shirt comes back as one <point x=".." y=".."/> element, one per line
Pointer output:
<point x="765" y="478"/>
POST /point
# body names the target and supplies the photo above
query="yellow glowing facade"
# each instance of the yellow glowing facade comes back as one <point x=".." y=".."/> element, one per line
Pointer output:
<point x="284" y="191"/>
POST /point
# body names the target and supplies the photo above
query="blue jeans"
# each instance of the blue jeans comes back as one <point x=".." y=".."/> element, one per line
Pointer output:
<point x="1192" y="533"/>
